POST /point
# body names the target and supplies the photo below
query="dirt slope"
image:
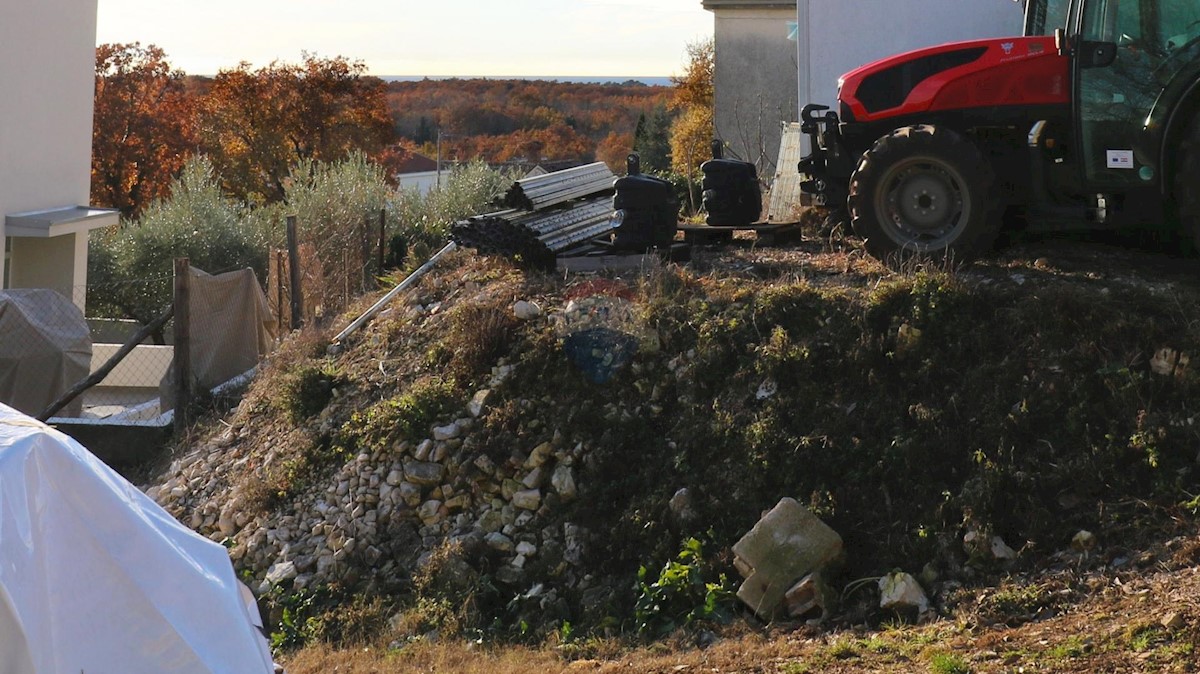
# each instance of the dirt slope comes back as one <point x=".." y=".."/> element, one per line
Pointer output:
<point x="1040" y="392"/>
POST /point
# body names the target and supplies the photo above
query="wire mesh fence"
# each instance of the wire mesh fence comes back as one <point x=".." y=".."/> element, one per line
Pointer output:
<point x="47" y="346"/>
<point x="339" y="261"/>
<point x="65" y="336"/>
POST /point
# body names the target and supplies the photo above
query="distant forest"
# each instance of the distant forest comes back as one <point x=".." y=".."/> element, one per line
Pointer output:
<point x="522" y="120"/>
<point x="255" y="124"/>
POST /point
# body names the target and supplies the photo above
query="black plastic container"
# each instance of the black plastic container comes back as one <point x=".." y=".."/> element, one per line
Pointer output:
<point x="649" y="208"/>
<point x="732" y="194"/>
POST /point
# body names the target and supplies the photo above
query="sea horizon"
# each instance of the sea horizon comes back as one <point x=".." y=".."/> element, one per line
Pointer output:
<point x="574" y="79"/>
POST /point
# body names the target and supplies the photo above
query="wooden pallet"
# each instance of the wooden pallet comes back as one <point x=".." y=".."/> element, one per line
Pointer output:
<point x="605" y="258"/>
<point x="767" y="234"/>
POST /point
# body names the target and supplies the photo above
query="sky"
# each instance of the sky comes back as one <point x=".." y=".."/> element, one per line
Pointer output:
<point x="629" y="38"/>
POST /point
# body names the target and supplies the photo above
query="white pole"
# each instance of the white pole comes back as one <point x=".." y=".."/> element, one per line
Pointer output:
<point x="412" y="278"/>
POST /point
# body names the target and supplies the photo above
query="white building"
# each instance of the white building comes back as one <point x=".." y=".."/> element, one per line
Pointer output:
<point x="773" y="57"/>
<point x="836" y="36"/>
<point x="418" y="172"/>
<point x="47" y="74"/>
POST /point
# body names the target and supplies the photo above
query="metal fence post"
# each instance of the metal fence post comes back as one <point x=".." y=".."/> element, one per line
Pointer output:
<point x="183" y="345"/>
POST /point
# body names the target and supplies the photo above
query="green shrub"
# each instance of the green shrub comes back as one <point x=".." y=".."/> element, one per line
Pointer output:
<point x="681" y="594"/>
<point x="130" y="267"/>
<point x="306" y="391"/>
<point x="946" y="663"/>
<point x="337" y="206"/>
<point x="408" y="416"/>
<point x="423" y="220"/>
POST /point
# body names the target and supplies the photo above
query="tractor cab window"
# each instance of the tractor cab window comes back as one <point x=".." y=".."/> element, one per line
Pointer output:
<point x="1043" y="17"/>
<point x="1177" y="26"/>
<point x="1116" y="95"/>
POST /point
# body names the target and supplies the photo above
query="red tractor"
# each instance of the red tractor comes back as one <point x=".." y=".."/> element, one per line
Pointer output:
<point x="1091" y="118"/>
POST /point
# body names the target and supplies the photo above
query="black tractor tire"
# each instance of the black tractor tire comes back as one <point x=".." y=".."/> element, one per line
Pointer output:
<point x="1187" y="188"/>
<point x="924" y="191"/>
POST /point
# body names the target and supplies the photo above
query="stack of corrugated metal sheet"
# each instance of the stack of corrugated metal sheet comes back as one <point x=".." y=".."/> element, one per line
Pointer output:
<point x="536" y="235"/>
<point x="546" y="215"/>
<point x="541" y="192"/>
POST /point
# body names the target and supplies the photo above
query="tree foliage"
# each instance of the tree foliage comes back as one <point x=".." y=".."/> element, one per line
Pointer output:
<point x="614" y="149"/>
<point x="142" y="129"/>
<point x="255" y="124"/>
<point x="513" y="120"/>
<point x="695" y="86"/>
<point x="651" y="140"/>
<point x="692" y="130"/>
<point x="131" y="265"/>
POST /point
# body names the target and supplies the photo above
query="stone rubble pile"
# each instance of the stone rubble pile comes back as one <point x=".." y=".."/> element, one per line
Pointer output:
<point x="383" y="513"/>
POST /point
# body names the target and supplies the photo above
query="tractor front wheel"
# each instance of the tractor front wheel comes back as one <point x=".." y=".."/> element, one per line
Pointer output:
<point x="924" y="191"/>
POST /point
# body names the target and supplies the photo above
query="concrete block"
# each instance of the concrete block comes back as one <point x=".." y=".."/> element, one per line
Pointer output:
<point x="788" y="543"/>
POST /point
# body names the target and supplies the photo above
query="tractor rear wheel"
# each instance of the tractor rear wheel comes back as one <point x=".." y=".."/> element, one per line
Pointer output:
<point x="1187" y="196"/>
<point x="924" y="191"/>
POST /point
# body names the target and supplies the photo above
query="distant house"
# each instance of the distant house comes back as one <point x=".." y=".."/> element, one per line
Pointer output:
<point x="417" y="171"/>
<point x="47" y="74"/>
<point x="773" y="57"/>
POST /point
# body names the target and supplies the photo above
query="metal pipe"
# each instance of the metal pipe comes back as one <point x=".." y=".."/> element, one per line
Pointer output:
<point x="412" y="278"/>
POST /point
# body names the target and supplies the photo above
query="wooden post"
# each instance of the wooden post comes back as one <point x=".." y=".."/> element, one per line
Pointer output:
<point x="364" y="261"/>
<point x="277" y="258"/>
<point x="382" y="241"/>
<point x="183" y="345"/>
<point x="294" y="269"/>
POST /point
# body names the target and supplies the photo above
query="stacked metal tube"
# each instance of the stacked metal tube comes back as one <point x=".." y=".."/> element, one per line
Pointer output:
<point x="541" y="192"/>
<point x="547" y="214"/>
<point x="536" y="235"/>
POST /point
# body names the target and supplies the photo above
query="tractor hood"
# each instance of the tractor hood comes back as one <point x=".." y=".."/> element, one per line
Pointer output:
<point x="959" y="75"/>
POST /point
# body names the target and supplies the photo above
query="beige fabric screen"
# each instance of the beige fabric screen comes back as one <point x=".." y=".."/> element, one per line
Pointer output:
<point x="232" y="329"/>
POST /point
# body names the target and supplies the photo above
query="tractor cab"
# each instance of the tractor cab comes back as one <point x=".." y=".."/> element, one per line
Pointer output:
<point x="1087" y="120"/>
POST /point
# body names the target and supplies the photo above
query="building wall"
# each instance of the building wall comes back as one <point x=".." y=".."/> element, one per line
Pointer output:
<point x="755" y="78"/>
<point x="837" y="36"/>
<point x="422" y="182"/>
<point x="46" y="262"/>
<point x="763" y="79"/>
<point x="47" y="71"/>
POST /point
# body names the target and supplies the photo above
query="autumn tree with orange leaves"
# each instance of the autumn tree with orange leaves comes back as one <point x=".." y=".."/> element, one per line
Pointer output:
<point x="256" y="124"/>
<point x="692" y="130"/>
<point x="142" y="129"/>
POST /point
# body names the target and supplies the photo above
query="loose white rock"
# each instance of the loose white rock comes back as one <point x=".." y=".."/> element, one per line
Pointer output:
<point x="526" y="310"/>
<point x="527" y="499"/>
<point x="563" y="481"/>
<point x="448" y="432"/>
<point x="478" y="402"/>
<point x="280" y="572"/>
<point x="499" y="542"/>
<point x="899" y="590"/>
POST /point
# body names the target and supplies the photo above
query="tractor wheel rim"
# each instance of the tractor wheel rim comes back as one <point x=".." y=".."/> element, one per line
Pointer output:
<point x="923" y="204"/>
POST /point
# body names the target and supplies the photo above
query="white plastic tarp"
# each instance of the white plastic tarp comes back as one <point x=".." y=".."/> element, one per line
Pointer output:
<point x="97" y="578"/>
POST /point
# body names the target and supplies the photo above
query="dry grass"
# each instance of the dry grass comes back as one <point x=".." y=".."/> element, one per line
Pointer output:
<point x="1127" y="624"/>
<point x="464" y="658"/>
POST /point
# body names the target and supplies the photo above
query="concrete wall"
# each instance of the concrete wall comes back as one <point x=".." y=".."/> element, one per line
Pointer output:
<point x="837" y="36"/>
<point x="422" y="182"/>
<point x="144" y="367"/>
<point x="53" y="262"/>
<point x="47" y="75"/>
<point x="755" y="77"/>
